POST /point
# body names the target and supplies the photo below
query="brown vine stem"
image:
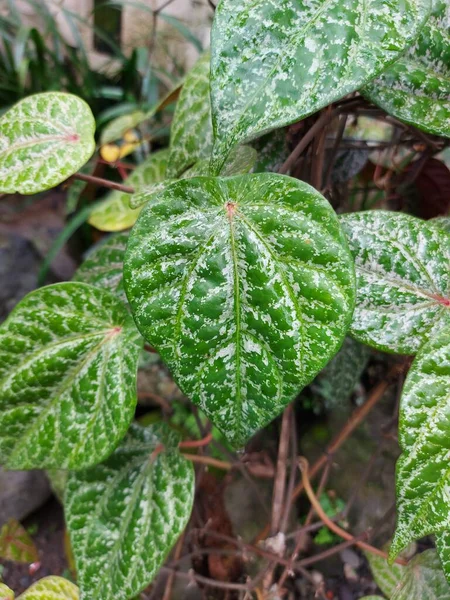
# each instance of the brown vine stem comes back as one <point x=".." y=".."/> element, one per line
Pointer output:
<point x="100" y="182"/>
<point x="208" y="460"/>
<point x="196" y="443"/>
<point x="303" y="465"/>
<point x="176" y="557"/>
<point x="280" y="479"/>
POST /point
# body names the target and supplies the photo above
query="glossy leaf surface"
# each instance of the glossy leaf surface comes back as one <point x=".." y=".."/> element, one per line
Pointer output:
<point x="423" y="579"/>
<point x="423" y="470"/>
<point x="44" y="139"/>
<point x="416" y="88"/>
<point x="245" y="285"/>
<point x="191" y="132"/>
<point x="51" y="588"/>
<point x="275" y="62"/>
<point x="103" y="268"/>
<point x="68" y="360"/>
<point x="403" y="279"/>
<point x="115" y="214"/>
<point x="125" y="514"/>
<point x="16" y="543"/>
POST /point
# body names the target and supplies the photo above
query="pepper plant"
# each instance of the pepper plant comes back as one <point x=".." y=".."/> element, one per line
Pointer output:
<point x="245" y="281"/>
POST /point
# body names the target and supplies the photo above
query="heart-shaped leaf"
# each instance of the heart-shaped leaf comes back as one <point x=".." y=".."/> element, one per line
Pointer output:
<point x="16" y="543"/>
<point x="125" y="514"/>
<point x="403" y="279"/>
<point x="68" y="361"/>
<point x="115" y="213"/>
<point x="51" y="588"/>
<point x="245" y="285"/>
<point x="423" y="579"/>
<point x="416" y="89"/>
<point x="44" y="139"/>
<point x="423" y="469"/>
<point x="191" y="132"/>
<point x="5" y="592"/>
<point x="104" y="265"/>
<point x="274" y="63"/>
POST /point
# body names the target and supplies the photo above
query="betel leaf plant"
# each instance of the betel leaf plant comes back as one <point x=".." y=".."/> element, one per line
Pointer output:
<point x="245" y="282"/>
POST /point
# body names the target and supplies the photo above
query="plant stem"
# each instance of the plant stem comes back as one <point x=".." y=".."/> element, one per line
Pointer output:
<point x="196" y="443"/>
<point x="100" y="182"/>
<point x="208" y="460"/>
<point x="280" y="479"/>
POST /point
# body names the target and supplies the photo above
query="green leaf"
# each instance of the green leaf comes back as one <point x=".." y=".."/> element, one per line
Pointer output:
<point x="423" y="469"/>
<point x="443" y="550"/>
<point x="403" y="279"/>
<point x="191" y="133"/>
<point x="44" y="139"/>
<point x="423" y="579"/>
<point x="245" y="285"/>
<point x="51" y="588"/>
<point x="5" y="592"/>
<point x="125" y="514"/>
<point x="68" y="361"/>
<point x="120" y="125"/>
<point x="115" y="214"/>
<point x="386" y="576"/>
<point x="272" y="151"/>
<point x="16" y="544"/>
<point x="372" y="598"/>
<point x="274" y="63"/>
<point x="416" y="89"/>
<point x="103" y="267"/>
<point x="442" y="222"/>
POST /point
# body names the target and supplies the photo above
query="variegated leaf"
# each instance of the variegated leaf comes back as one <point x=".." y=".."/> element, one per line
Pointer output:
<point x="442" y="222"/>
<point x="191" y="132"/>
<point x="416" y="89"/>
<point x="423" y="469"/>
<point x="44" y="139"/>
<point x="272" y="151"/>
<point x="68" y="361"/>
<point x="423" y="579"/>
<point x="245" y="285"/>
<point x="274" y="62"/>
<point x="119" y="126"/>
<point x="403" y="279"/>
<point x="51" y="588"/>
<point x="385" y="575"/>
<point x="125" y="514"/>
<point x="115" y="213"/>
<point x="103" y="267"/>
<point x="16" y="543"/>
<point x="443" y="550"/>
<point x="5" y="592"/>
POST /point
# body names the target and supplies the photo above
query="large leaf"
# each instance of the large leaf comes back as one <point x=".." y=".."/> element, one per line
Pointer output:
<point x="191" y="133"/>
<point x="51" y="588"/>
<point x="423" y="579"/>
<point x="416" y="89"/>
<point x="245" y="285"/>
<point x="16" y="543"/>
<point x="386" y="576"/>
<point x="44" y="139"/>
<point x="5" y="592"/>
<point x="124" y="515"/>
<point x="115" y="214"/>
<point x="68" y="360"/>
<point x="403" y="279"/>
<point x="423" y="469"/>
<point x="275" y="62"/>
<point x="443" y="550"/>
<point x="104" y="265"/>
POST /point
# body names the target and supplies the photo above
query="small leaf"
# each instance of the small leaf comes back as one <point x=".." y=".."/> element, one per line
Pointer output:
<point x="191" y="132"/>
<point x="115" y="213"/>
<point x="68" y="361"/>
<point x="403" y="279"/>
<point x="245" y="285"/>
<point x="386" y="576"/>
<point x="44" y="139"/>
<point x="274" y="63"/>
<point x="16" y="544"/>
<point x="423" y="469"/>
<point x="116" y="128"/>
<point x="125" y="515"/>
<point x="416" y="88"/>
<point x="5" y="592"/>
<point x="51" y="588"/>
<point x="423" y="579"/>
<point x="103" y="267"/>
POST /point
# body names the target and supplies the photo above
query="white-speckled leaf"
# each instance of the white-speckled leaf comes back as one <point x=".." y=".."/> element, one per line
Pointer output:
<point x="68" y="361"/>
<point x="191" y="132"/>
<point x="51" y="588"/>
<point x="441" y="222"/>
<point x="274" y="62"/>
<point x="5" y="592"/>
<point x="272" y="151"/>
<point x="386" y="576"/>
<point x="44" y="139"/>
<point x="245" y="285"/>
<point x="103" y="267"/>
<point x="423" y="579"/>
<point x="423" y="469"/>
<point x="115" y="213"/>
<point x="443" y="550"/>
<point x="403" y="279"/>
<point x="416" y="89"/>
<point x="125" y="514"/>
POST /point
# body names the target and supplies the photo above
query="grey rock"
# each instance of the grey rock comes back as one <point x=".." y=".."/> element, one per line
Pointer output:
<point x="21" y="493"/>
